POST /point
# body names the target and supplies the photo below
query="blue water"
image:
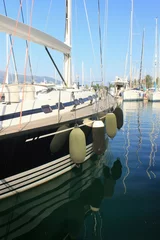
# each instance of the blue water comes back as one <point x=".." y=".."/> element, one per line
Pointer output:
<point x="133" y="212"/>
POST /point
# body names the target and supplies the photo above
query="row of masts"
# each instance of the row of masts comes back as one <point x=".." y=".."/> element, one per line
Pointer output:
<point x="68" y="71"/>
<point x="156" y="63"/>
<point x="156" y="56"/>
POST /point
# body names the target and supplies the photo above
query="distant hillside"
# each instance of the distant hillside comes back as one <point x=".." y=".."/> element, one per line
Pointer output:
<point x="37" y="79"/>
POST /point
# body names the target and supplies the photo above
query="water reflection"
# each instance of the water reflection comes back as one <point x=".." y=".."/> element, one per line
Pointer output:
<point x="29" y="215"/>
<point x="136" y="214"/>
<point x="101" y="188"/>
<point x="140" y="133"/>
<point x="140" y="117"/>
<point x="80" y="218"/>
<point x="153" y="135"/>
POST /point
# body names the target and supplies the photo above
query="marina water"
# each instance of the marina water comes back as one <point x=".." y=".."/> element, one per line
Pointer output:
<point x="134" y="210"/>
<point x="99" y="201"/>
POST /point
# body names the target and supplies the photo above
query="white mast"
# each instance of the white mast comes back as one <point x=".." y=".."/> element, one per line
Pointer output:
<point x="7" y="58"/>
<point x="125" y="67"/>
<point x="131" y="43"/>
<point x="156" y="49"/>
<point x="13" y="62"/>
<point x="90" y="77"/>
<point x="82" y="74"/>
<point x="73" y="74"/>
<point x="67" y="57"/>
<point x="55" y="76"/>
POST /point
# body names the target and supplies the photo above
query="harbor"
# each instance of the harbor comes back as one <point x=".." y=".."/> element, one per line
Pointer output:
<point x="79" y="120"/>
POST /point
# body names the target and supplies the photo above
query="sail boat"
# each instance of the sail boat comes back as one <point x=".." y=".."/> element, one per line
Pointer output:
<point x="131" y="94"/>
<point x="35" y="128"/>
<point x="154" y="96"/>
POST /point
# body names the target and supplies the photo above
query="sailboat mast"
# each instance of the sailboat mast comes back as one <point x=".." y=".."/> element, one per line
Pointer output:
<point x="82" y="74"/>
<point x="141" y="63"/>
<point x="157" y="56"/>
<point x="7" y="57"/>
<point x="90" y="77"/>
<point x="156" y="49"/>
<point x="67" y="57"/>
<point x="131" y="35"/>
<point x="125" y="67"/>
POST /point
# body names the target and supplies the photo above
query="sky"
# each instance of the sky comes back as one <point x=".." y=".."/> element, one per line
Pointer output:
<point x="114" y="29"/>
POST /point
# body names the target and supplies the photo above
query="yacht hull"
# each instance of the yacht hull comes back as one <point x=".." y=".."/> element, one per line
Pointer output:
<point x="133" y="95"/>
<point x="154" y="97"/>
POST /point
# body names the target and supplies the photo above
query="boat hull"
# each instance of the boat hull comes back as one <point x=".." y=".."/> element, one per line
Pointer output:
<point x="154" y="96"/>
<point x="31" y="208"/>
<point x="133" y="95"/>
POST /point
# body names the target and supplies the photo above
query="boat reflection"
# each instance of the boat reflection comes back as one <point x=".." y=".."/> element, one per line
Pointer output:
<point x="131" y="110"/>
<point x="134" y="127"/>
<point x="22" y="213"/>
<point x="153" y="135"/>
<point x="80" y="217"/>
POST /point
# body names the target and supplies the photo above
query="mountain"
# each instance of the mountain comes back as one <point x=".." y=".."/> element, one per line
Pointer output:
<point x="37" y="79"/>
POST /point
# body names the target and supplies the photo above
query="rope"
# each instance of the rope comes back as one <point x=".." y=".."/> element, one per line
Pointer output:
<point x="89" y="29"/>
<point x="27" y="47"/>
<point x="48" y="15"/>
<point x="10" y="38"/>
<point x="12" y="43"/>
<point x="27" y="11"/>
<point x="26" y="59"/>
<point x="45" y="27"/>
<point x="100" y="41"/>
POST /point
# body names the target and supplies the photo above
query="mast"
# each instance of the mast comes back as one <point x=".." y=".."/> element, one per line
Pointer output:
<point x="158" y="56"/>
<point x="7" y="58"/>
<point x="82" y="74"/>
<point x="131" y="35"/>
<point x="125" y="67"/>
<point x="156" y="50"/>
<point x="90" y="77"/>
<point x="141" y="63"/>
<point x="67" y="57"/>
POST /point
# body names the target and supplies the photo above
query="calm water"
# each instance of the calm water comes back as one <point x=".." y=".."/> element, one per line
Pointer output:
<point x="128" y="198"/>
<point x="134" y="210"/>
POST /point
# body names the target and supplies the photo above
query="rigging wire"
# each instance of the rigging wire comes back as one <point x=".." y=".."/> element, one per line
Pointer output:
<point x="55" y="66"/>
<point x="46" y="24"/>
<point x="126" y="59"/>
<point x="26" y="60"/>
<point x="45" y="27"/>
<point x="29" y="59"/>
<point x="105" y="37"/>
<point x="100" y="41"/>
<point x="27" y="11"/>
<point x="11" y="42"/>
<point x="141" y="62"/>
<point x="89" y="29"/>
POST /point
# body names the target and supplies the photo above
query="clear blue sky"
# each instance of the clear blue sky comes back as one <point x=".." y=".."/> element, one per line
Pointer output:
<point x="115" y="45"/>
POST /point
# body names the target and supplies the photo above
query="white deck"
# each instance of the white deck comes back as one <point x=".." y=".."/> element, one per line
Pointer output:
<point x="85" y="111"/>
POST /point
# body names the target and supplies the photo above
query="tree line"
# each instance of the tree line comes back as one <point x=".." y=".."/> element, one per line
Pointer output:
<point x="149" y="81"/>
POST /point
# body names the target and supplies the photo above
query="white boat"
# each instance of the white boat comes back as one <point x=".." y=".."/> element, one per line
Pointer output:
<point x="29" y="122"/>
<point x="120" y="85"/>
<point x="132" y="94"/>
<point x="154" y="95"/>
